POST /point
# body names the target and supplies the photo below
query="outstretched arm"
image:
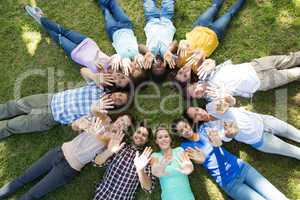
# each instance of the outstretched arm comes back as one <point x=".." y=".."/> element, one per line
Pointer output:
<point x="114" y="146"/>
<point x="173" y="46"/>
<point x="140" y="162"/>
<point x="169" y="56"/>
<point x="196" y="155"/>
<point x="101" y="79"/>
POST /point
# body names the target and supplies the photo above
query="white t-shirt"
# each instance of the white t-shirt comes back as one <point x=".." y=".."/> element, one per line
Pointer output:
<point x="239" y="80"/>
<point x="250" y="124"/>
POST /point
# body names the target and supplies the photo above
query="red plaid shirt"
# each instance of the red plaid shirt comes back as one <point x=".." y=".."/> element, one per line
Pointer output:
<point x="120" y="180"/>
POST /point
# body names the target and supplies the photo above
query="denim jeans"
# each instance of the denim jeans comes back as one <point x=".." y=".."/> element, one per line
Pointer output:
<point x="151" y="10"/>
<point x="251" y="185"/>
<point x="220" y="25"/>
<point x="55" y="169"/>
<point x="273" y="144"/>
<point x="114" y="16"/>
<point x="66" y="38"/>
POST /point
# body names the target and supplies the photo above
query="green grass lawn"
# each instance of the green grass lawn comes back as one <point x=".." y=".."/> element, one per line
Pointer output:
<point x="264" y="27"/>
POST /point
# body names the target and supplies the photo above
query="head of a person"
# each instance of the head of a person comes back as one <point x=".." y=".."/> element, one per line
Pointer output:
<point x="231" y="128"/>
<point x="137" y="74"/>
<point x="122" y="123"/>
<point x="158" y="67"/>
<point x="197" y="114"/>
<point x="141" y="135"/>
<point x="119" y="98"/>
<point x="184" y="74"/>
<point x="136" y="70"/>
<point x="121" y="80"/>
<point x="163" y="138"/>
<point x="196" y="90"/>
<point x="183" y="129"/>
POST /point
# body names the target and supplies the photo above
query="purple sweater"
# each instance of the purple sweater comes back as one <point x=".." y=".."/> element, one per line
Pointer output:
<point x="87" y="53"/>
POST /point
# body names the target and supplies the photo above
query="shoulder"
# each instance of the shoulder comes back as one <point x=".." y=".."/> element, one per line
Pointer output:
<point x="178" y="149"/>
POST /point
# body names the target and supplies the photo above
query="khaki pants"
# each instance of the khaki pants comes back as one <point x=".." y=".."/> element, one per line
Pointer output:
<point x="276" y="71"/>
<point x="28" y="114"/>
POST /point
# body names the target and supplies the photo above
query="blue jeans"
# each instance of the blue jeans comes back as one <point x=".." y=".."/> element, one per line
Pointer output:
<point x="220" y="25"/>
<point x="66" y="38"/>
<point x="271" y="143"/>
<point x="55" y="169"/>
<point x="250" y="185"/>
<point x="151" y="10"/>
<point x="114" y="16"/>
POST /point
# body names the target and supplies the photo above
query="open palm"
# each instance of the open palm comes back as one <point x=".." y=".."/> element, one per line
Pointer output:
<point x="185" y="165"/>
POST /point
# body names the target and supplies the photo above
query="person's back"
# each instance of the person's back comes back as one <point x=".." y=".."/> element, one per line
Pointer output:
<point x="174" y="185"/>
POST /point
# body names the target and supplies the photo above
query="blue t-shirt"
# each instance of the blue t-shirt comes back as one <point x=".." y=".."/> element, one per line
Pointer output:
<point x="221" y="165"/>
<point x="125" y="43"/>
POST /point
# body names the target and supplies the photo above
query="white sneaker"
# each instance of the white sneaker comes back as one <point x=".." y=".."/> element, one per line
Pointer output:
<point x="35" y="12"/>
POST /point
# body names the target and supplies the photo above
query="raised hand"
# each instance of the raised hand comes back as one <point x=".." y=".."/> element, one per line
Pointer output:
<point x="81" y="124"/>
<point x="182" y="50"/>
<point x="206" y="68"/>
<point x="214" y="137"/>
<point x="170" y="59"/>
<point x="115" y="62"/>
<point x="212" y="91"/>
<point x="141" y="161"/>
<point x="195" y="154"/>
<point x="185" y="165"/>
<point x="195" y="58"/>
<point x="95" y="127"/>
<point x="148" y="60"/>
<point x="217" y="91"/>
<point x="139" y="59"/>
<point x="159" y="166"/>
<point x="104" y="79"/>
<point x="115" y="143"/>
<point x="103" y="105"/>
<point x="126" y="66"/>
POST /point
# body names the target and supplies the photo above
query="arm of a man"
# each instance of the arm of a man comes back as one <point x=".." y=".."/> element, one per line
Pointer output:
<point x="147" y="180"/>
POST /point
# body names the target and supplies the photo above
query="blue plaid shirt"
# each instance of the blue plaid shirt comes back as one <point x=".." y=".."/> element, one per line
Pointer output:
<point x="70" y="105"/>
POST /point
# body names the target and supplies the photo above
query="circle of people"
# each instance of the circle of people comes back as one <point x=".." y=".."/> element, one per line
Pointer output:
<point x="129" y="165"/>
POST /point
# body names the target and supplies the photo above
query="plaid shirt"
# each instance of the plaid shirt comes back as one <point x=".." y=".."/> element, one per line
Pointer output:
<point x="121" y="180"/>
<point x="70" y="105"/>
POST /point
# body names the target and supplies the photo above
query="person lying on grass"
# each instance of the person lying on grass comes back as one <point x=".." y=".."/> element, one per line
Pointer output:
<point x="201" y="42"/>
<point x="258" y="130"/>
<point x="159" y="32"/>
<point x="245" y="79"/>
<point x="62" y="164"/>
<point x="82" y="50"/>
<point x="41" y="112"/>
<point x="235" y="177"/>
<point x="120" y="30"/>
<point x="172" y="166"/>
<point x="126" y="167"/>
